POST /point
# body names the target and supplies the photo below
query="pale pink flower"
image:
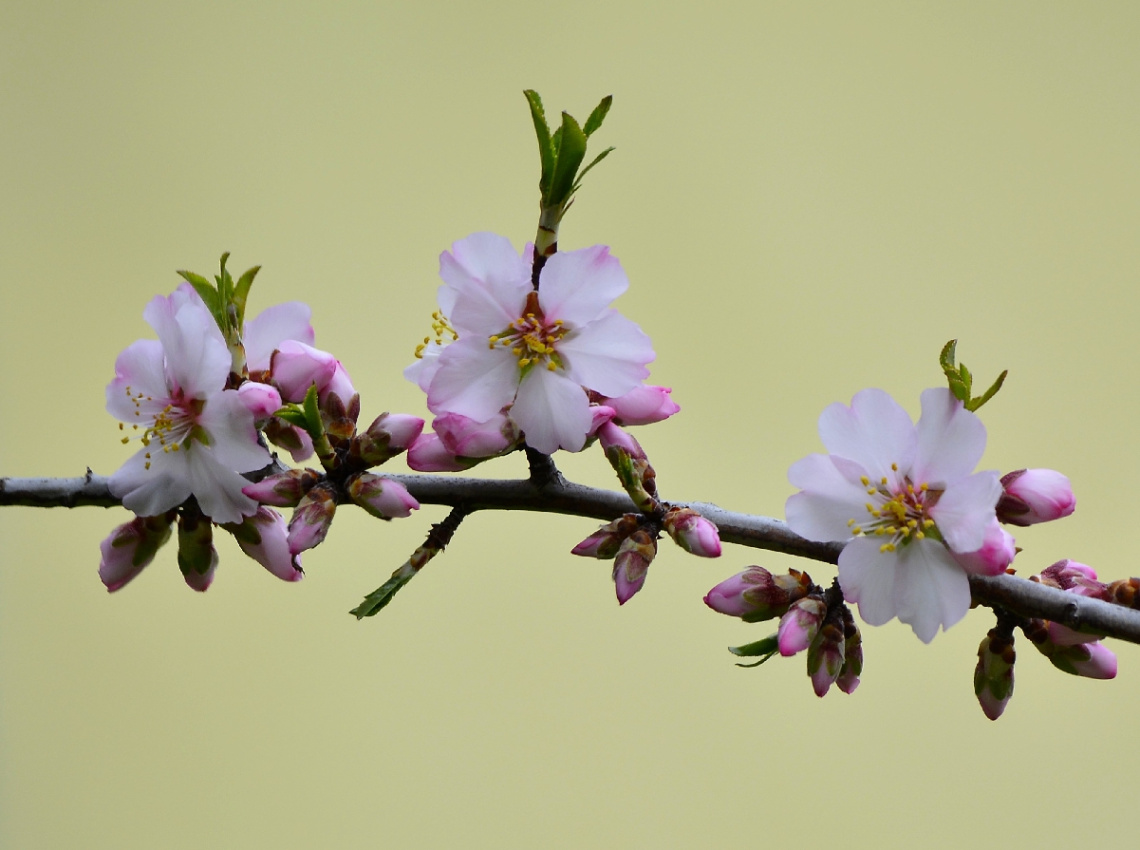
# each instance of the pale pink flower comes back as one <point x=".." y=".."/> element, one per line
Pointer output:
<point x="996" y="553"/>
<point x="643" y="405"/>
<point x="907" y="500"/>
<point x="538" y="352"/>
<point x="296" y="366"/>
<point x="197" y="436"/>
<point x="272" y="326"/>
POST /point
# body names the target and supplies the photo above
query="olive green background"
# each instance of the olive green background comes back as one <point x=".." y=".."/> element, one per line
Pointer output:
<point x="809" y="199"/>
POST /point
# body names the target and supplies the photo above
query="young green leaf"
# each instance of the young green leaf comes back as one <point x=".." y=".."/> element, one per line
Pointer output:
<point x="598" y="115"/>
<point x="241" y="292"/>
<point x="381" y="596"/>
<point x="545" y="145"/>
<point x="571" y="151"/>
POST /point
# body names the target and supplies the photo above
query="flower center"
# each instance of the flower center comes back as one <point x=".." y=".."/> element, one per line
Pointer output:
<point x="439" y="326"/>
<point x="170" y="426"/>
<point x="531" y="338"/>
<point x="899" y="512"/>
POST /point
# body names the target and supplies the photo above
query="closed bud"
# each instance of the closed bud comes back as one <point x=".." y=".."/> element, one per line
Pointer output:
<point x="800" y="624"/>
<point x="643" y="405"/>
<point x="996" y="553"/>
<point x="382" y="497"/>
<point x="605" y="542"/>
<point x="197" y="557"/>
<point x="692" y="532"/>
<point x="1124" y="592"/>
<point x="265" y="538"/>
<point x="631" y="465"/>
<point x="1035" y="495"/>
<point x="294" y="440"/>
<point x="1093" y="660"/>
<point x="385" y="438"/>
<point x="262" y="400"/>
<point x="632" y="562"/>
<point x="993" y="676"/>
<point x="825" y="654"/>
<point x="848" y="679"/>
<point x="311" y="519"/>
<point x="284" y="489"/>
<point x="130" y="548"/>
<point x="756" y="595"/>
<point x="1074" y="577"/>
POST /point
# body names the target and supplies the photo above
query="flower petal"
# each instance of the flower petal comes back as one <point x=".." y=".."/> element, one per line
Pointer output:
<point x="607" y="355"/>
<point x="271" y="327"/>
<point x="966" y="509"/>
<point x="150" y="492"/>
<point x="139" y="369"/>
<point x="197" y="358"/>
<point x="473" y="380"/>
<point x="868" y="577"/>
<point x="490" y="282"/>
<point x="875" y="432"/>
<point x="233" y="437"/>
<point x="552" y="411"/>
<point x="932" y="589"/>
<point x="578" y="286"/>
<point x="951" y="439"/>
<point x="217" y="488"/>
<point x="829" y="499"/>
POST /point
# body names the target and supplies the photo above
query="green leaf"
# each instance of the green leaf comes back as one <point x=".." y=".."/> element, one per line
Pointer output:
<point x="294" y="415"/>
<point x="594" y="162"/>
<point x="598" y="115"/>
<point x="542" y="131"/>
<point x="241" y="292"/>
<point x="967" y="378"/>
<point x="205" y="290"/>
<point x="381" y="596"/>
<point x="312" y="412"/>
<point x="568" y="157"/>
<point x="946" y="358"/>
<point x="960" y="390"/>
<point x="766" y="646"/>
<point x="990" y="393"/>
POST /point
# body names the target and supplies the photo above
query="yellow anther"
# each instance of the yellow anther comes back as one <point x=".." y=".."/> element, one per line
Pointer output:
<point x="870" y="508"/>
<point x="866" y="481"/>
<point x="550" y="365"/>
<point x="850" y="523"/>
<point x="910" y="489"/>
<point x="524" y="361"/>
<point x="924" y="487"/>
<point x="856" y="531"/>
<point x="928" y="523"/>
<point x="887" y="547"/>
<point x="918" y="535"/>
<point x="895" y="467"/>
<point x="883" y="481"/>
<point x="125" y="440"/>
<point x="870" y="491"/>
<point x="912" y="523"/>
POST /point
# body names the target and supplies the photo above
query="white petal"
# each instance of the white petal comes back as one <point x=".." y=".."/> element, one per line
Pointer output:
<point x="951" y="439"/>
<point x="577" y="286"/>
<point x="875" y="432"/>
<point x="966" y="509"/>
<point x="217" y="487"/>
<point x="233" y="437"/>
<point x="870" y="577"/>
<point x="607" y="355"/>
<point x="933" y="590"/>
<point x="139" y="367"/>
<point x="473" y="380"/>
<point x="273" y="326"/>
<point x="150" y="492"/>
<point x="423" y="370"/>
<point x="829" y="500"/>
<point x="552" y="411"/>
<point x="197" y="358"/>
<point x="490" y="282"/>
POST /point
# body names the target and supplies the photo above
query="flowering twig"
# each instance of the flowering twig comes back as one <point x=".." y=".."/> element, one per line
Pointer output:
<point x="1024" y="598"/>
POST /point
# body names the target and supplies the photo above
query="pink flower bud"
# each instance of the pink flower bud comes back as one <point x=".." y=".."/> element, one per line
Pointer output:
<point x="993" y="677"/>
<point x="601" y="415"/>
<point x="1035" y="495"/>
<point x="197" y="557"/>
<point x="614" y="438"/>
<point x="643" y="405"/>
<point x="261" y="400"/>
<point x="756" y="595"/>
<point x="800" y="624"/>
<point x="311" y="519"/>
<point x="605" y="542"/>
<point x="848" y="679"/>
<point x="130" y="547"/>
<point x="385" y="438"/>
<point x="295" y="367"/>
<point x="283" y="489"/>
<point x="631" y="565"/>
<point x="265" y="538"/>
<point x="825" y="656"/>
<point x="429" y="454"/>
<point x="340" y="384"/>
<point x="1064" y="636"/>
<point x="1100" y="663"/>
<point x="997" y="552"/>
<point x="294" y="440"/>
<point x="382" y="497"/>
<point x="692" y="532"/>
<point x="469" y="438"/>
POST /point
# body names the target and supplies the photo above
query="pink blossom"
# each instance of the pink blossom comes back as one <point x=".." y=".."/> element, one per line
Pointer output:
<point x="643" y="405"/>
<point x="997" y="552"/>
<point x="537" y="352"/>
<point x="800" y="624"/>
<point x="197" y="436"/>
<point x="429" y="454"/>
<point x="130" y="548"/>
<point x="756" y="595"/>
<point x="261" y="400"/>
<point x="381" y="496"/>
<point x="274" y="325"/>
<point x="1035" y="495"/>
<point x="631" y="565"/>
<point x="692" y="532"/>
<point x="295" y="367"/>
<point x="265" y="538"/>
<point x="906" y="499"/>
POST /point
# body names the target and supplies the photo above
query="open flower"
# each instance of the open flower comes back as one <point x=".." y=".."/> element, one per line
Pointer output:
<point x="197" y="436"/>
<point x="538" y="352"/>
<point x="907" y="500"/>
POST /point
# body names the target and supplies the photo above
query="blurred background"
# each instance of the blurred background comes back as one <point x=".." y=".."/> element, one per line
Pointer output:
<point x="809" y="199"/>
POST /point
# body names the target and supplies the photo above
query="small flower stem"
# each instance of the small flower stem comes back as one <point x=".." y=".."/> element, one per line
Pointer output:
<point x="545" y="241"/>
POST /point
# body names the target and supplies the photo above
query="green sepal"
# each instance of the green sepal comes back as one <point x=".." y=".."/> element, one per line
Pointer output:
<point x="961" y="380"/>
<point x="762" y="649"/>
<point x="294" y="415"/>
<point x="545" y="144"/>
<point x="598" y="115"/>
<point x="569" y="153"/>
<point x="381" y="596"/>
<point x="305" y="415"/>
